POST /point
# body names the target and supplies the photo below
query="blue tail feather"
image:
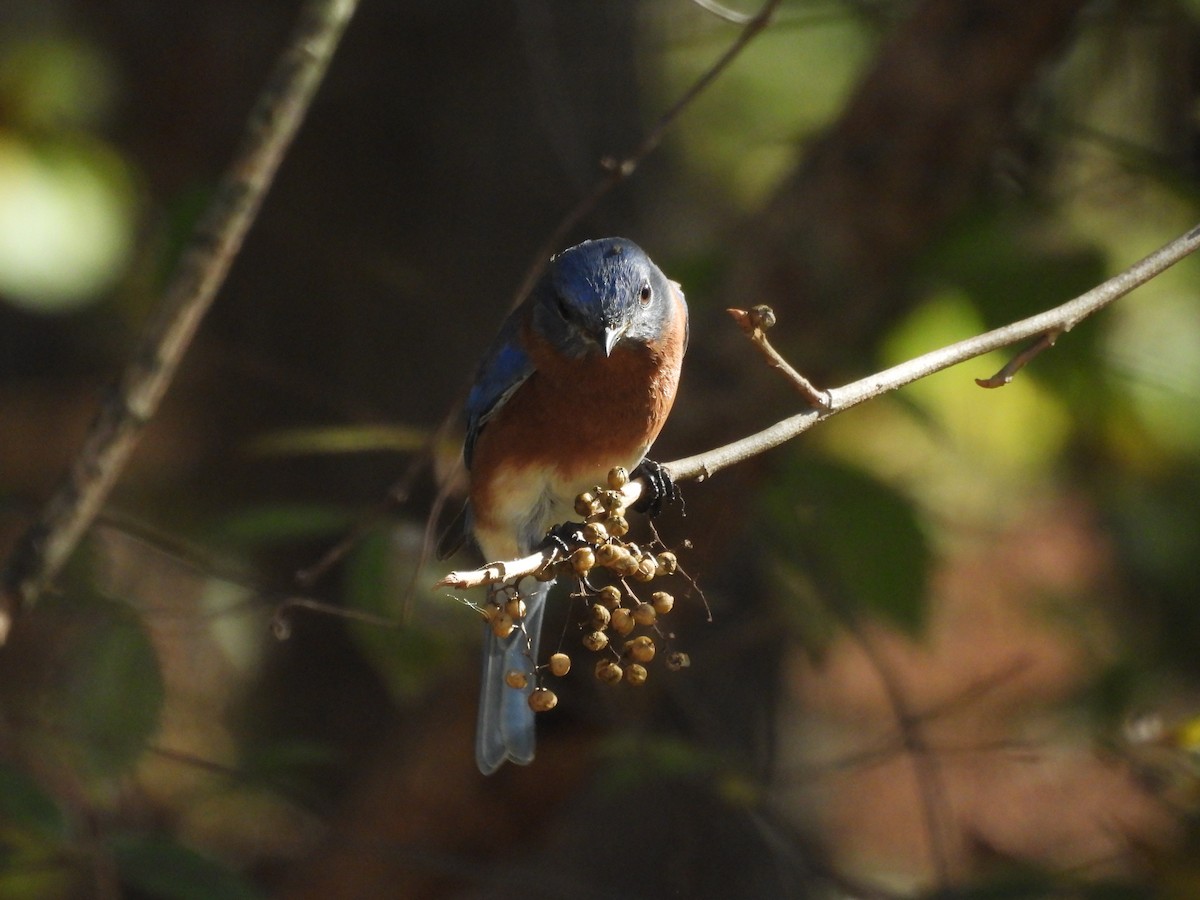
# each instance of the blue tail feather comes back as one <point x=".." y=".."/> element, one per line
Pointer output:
<point x="505" y="731"/>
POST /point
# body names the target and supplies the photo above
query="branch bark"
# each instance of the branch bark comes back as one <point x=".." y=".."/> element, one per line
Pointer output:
<point x="1044" y="326"/>
<point x="43" y="549"/>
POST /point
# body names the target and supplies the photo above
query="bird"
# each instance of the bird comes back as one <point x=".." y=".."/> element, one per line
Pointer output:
<point x="580" y="379"/>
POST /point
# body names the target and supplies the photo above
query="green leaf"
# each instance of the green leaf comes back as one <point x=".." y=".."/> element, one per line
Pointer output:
<point x="282" y="522"/>
<point x="858" y="537"/>
<point x="166" y="870"/>
<point x="407" y="655"/>
<point x="107" y="691"/>
<point x="338" y="439"/>
<point x="24" y="805"/>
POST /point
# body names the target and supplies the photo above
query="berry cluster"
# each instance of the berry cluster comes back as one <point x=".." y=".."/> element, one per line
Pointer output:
<point x="614" y="612"/>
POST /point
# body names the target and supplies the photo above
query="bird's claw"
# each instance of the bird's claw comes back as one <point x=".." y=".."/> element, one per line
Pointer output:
<point x="660" y="488"/>
<point x="564" y="539"/>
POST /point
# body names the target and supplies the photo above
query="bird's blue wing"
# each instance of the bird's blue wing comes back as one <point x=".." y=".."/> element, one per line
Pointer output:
<point x="503" y="370"/>
<point x="505" y="367"/>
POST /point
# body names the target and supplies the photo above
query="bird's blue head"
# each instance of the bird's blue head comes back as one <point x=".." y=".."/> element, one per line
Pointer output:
<point x="600" y="293"/>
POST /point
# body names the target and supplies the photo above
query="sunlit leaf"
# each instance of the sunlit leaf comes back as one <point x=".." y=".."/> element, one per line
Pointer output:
<point x="790" y="81"/>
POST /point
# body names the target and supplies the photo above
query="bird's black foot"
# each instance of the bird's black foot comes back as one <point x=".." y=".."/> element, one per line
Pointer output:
<point x="565" y="538"/>
<point x="661" y="488"/>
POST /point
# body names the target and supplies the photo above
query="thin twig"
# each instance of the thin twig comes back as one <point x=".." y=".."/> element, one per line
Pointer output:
<point x="1018" y="362"/>
<point x="755" y="322"/>
<point x="1059" y="320"/>
<point x="41" y="552"/>
<point x="281" y="624"/>
<point x="1053" y="322"/>
<point x="619" y="170"/>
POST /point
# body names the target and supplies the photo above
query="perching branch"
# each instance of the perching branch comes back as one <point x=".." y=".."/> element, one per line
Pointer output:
<point x="43" y="549"/>
<point x="1059" y="320"/>
<point x="1044" y="328"/>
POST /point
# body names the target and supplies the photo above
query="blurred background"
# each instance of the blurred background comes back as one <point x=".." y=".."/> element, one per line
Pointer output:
<point x="954" y="633"/>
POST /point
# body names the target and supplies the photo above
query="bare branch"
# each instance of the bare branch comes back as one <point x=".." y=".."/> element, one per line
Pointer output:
<point x="1014" y="365"/>
<point x="1045" y="327"/>
<point x="497" y="572"/>
<point x="1059" y="320"/>
<point x="755" y="322"/>
<point x="44" y="548"/>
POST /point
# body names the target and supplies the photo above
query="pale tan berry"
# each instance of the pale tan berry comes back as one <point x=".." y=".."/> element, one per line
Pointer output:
<point x="609" y="672"/>
<point x="618" y="477"/>
<point x="662" y="602"/>
<point x="622" y="621"/>
<point x="668" y="563"/>
<point x="582" y="560"/>
<point x="547" y="572"/>
<point x="502" y="625"/>
<point x="626" y="565"/>
<point x="610" y="596"/>
<point x="560" y="664"/>
<point x="595" y="533"/>
<point x="515" y="608"/>
<point x="542" y="700"/>
<point x="612" y="501"/>
<point x="677" y="660"/>
<point x="595" y="641"/>
<point x="646" y="570"/>
<point x="617" y="525"/>
<point x="608" y="554"/>
<point x="490" y="611"/>
<point x="636" y="674"/>
<point x="644" y="614"/>
<point x="584" y="503"/>
<point x="515" y="678"/>
<point x="640" y="649"/>
<point x="600" y="616"/>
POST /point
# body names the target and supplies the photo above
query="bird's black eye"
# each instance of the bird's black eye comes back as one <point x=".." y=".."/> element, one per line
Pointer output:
<point x="560" y="305"/>
<point x="646" y="294"/>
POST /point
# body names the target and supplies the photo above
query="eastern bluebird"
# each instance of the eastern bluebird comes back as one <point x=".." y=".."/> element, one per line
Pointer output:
<point x="580" y="379"/>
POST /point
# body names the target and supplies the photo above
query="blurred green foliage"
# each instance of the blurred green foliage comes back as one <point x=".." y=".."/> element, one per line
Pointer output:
<point x="748" y="130"/>
<point x="861" y="537"/>
<point x="427" y="635"/>
<point x="67" y="199"/>
<point x="159" y="867"/>
<point x="852" y="523"/>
